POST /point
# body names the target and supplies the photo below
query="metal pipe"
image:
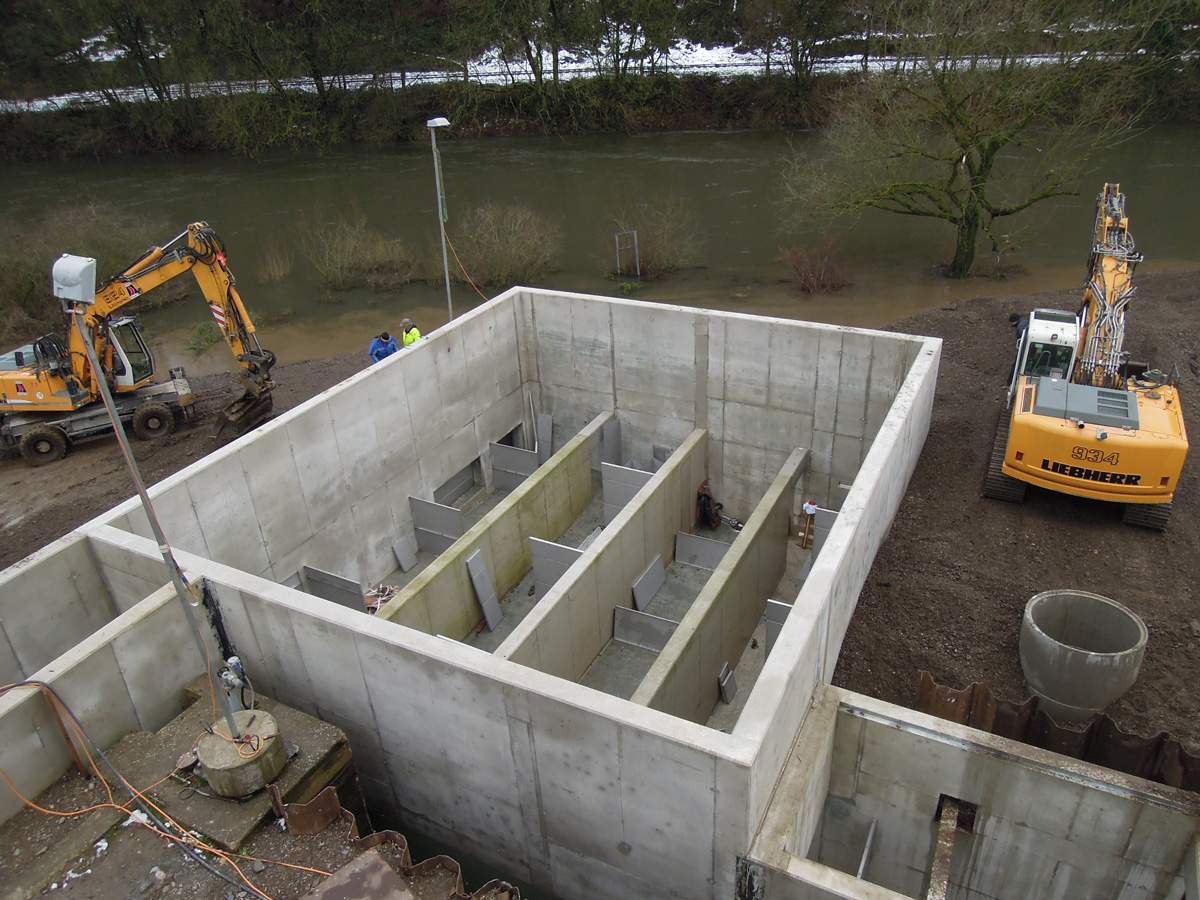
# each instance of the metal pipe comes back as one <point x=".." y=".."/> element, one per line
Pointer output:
<point x="164" y="548"/>
<point x="433" y="125"/>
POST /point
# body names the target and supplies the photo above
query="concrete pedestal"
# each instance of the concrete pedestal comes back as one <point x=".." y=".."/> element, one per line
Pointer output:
<point x="236" y="769"/>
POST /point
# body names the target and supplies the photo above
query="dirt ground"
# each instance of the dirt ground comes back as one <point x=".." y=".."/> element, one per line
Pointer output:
<point x="946" y="592"/>
<point x="38" y="505"/>
<point x="950" y="584"/>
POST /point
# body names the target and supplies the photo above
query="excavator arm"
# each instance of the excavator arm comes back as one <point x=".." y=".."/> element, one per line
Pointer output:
<point x="200" y="251"/>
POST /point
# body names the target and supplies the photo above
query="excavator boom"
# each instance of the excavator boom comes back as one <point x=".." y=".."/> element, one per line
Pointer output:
<point x="50" y="390"/>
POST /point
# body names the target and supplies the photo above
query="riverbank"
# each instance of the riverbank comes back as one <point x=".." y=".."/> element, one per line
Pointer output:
<point x="247" y="124"/>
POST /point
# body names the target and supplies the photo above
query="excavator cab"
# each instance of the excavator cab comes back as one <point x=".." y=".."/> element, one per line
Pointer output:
<point x="1046" y="346"/>
<point x="132" y="365"/>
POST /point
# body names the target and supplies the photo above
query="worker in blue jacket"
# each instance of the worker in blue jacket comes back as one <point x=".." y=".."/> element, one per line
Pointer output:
<point x="382" y="346"/>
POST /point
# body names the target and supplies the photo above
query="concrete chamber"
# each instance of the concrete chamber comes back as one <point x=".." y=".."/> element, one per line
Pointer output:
<point x="1079" y="651"/>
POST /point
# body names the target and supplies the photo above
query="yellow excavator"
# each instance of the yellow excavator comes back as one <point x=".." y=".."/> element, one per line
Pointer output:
<point x="49" y="394"/>
<point x="1082" y="418"/>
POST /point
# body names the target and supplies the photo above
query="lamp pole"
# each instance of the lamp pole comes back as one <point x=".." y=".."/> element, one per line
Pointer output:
<point x="433" y="125"/>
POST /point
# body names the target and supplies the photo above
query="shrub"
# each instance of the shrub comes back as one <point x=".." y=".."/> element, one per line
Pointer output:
<point x="665" y="233"/>
<point x="506" y="244"/>
<point x="347" y="253"/>
<point x="816" y="270"/>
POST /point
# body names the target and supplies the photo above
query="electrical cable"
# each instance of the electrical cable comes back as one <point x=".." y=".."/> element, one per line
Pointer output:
<point x="148" y="809"/>
<point x="466" y="275"/>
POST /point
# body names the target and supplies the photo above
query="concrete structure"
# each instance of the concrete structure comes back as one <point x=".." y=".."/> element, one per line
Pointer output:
<point x="505" y="754"/>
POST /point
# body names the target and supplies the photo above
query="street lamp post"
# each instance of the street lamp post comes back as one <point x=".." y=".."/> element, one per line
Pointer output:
<point x="433" y="125"/>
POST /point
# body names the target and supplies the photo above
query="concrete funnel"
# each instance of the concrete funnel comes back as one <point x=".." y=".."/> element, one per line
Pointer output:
<point x="1079" y="652"/>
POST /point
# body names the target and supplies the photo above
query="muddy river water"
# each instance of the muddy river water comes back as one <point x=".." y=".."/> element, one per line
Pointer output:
<point x="726" y="185"/>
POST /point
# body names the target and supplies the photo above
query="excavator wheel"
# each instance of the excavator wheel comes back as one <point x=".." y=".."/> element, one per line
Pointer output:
<point x="43" y="444"/>
<point x="1147" y="515"/>
<point x="153" y="420"/>
<point x="997" y="485"/>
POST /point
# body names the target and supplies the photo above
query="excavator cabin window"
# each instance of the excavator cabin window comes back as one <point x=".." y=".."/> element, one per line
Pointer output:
<point x="1047" y="360"/>
<point x="129" y="347"/>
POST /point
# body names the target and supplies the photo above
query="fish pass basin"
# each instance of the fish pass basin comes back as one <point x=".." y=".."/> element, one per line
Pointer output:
<point x="1079" y="651"/>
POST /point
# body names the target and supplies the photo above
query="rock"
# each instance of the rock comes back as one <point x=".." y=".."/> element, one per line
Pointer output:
<point x="258" y="866"/>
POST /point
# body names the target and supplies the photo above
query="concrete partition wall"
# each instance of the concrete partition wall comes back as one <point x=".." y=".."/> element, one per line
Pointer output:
<point x="808" y="645"/>
<point x="718" y="626"/>
<point x="581" y="794"/>
<point x="644" y="361"/>
<point x="327" y="484"/>
<point x="129" y="674"/>
<point x="569" y="627"/>
<point x="775" y="385"/>
<point x="441" y="600"/>
<point x="49" y="602"/>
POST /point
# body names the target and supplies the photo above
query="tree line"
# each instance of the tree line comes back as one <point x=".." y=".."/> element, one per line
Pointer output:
<point x="103" y="45"/>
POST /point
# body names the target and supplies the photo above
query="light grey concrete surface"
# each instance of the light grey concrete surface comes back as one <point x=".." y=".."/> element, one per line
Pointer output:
<point x="441" y="599"/>
<point x="1041" y="829"/>
<point x="48" y="604"/>
<point x="715" y="630"/>
<point x="571" y="626"/>
<point x="504" y="754"/>
<point x="129" y="674"/>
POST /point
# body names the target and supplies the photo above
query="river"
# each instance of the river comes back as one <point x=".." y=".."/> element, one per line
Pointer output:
<point x="727" y="183"/>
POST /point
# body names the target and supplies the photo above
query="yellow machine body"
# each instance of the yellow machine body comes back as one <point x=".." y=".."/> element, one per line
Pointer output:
<point x="1104" y="462"/>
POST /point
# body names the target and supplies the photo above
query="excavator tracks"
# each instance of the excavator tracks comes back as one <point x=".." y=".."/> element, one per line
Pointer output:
<point x="997" y="485"/>
<point x="1154" y="516"/>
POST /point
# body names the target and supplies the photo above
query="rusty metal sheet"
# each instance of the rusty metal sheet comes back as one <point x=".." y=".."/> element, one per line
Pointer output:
<point x="1158" y="758"/>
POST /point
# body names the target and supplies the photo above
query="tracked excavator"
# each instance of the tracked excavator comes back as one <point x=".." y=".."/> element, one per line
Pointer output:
<point x="49" y="393"/>
<point x="1081" y="418"/>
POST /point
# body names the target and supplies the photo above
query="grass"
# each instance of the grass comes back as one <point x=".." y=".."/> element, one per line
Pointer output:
<point x="348" y="253"/>
<point x="29" y="247"/>
<point x="204" y="336"/>
<point x="505" y="244"/>
<point x="275" y="265"/>
<point x="815" y="270"/>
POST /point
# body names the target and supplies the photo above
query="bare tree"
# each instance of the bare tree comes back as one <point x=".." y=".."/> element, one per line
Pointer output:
<point x="983" y="110"/>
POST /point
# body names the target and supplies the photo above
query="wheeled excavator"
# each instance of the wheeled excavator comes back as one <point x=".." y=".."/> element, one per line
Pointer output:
<point x="49" y="393"/>
<point x="1081" y="418"/>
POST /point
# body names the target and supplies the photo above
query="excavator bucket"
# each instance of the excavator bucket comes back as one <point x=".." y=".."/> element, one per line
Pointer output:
<point x="242" y="415"/>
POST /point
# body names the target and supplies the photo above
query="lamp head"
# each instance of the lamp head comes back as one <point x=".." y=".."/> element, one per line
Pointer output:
<point x="439" y="122"/>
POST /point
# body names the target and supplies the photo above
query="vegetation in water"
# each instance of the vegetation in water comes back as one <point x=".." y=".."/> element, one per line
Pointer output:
<point x="502" y="244"/>
<point x="204" y="336"/>
<point x="665" y="233"/>
<point x="28" y="249"/>
<point x="275" y="265"/>
<point x="816" y="269"/>
<point x="347" y="253"/>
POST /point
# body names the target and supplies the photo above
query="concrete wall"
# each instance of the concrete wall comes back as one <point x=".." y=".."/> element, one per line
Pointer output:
<point x="328" y="484"/>
<point x="573" y="790"/>
<point x="48" y="603"/>
<point x="569" y="627"/>
<point x="1040" y="830"/>
<point x="129" y="674"/>
<point x="441" y="599"/>
<point x="760" y="386"/>
<point x="594" y="796"/>
<point x="806" y="651"/>
<point x="717" y="627"/>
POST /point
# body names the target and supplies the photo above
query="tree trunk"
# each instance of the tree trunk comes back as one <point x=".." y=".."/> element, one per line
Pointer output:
<point x="966" y="238"/>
